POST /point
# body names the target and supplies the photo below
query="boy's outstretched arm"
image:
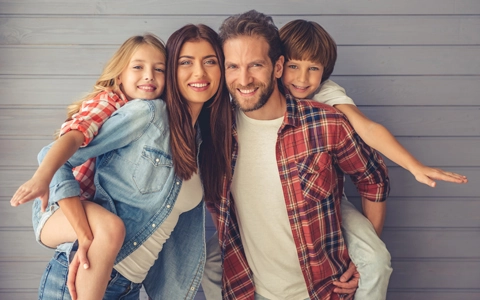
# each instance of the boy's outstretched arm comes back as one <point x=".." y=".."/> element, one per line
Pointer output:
<point x="37" y="186"/>
<point x="379" y="138"/>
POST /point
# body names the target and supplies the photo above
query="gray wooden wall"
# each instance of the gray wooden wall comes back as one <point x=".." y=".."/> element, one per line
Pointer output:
<point x="413" y="66"/>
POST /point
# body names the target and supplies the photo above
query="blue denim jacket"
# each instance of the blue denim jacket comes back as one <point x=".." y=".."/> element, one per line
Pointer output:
<point x="135" y="179"/>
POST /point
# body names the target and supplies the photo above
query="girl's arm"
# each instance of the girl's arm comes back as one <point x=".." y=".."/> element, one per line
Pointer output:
<point x="79" y="131"/>
<point x="37" y="187"/>
<point x="379" y="138"/>
<point x="73" y="210"/>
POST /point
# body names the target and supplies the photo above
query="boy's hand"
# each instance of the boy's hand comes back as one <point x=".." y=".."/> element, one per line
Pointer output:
<point x="427" y="175"/>
<point x="79" y="260"/>
<point x="34" y="188"/>
<point x="348" y="283"/>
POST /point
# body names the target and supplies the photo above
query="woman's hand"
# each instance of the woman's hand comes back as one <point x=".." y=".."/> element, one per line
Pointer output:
<point x="79" y="260"/>
<point x="348" y="283"/>
<point x="34" y="188"/>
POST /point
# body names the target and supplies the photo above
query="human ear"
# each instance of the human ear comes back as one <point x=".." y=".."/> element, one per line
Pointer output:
<point x="278" y="68"/>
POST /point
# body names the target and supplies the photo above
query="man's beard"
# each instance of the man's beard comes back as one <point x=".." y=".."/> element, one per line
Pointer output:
<point x="267" y="91"/>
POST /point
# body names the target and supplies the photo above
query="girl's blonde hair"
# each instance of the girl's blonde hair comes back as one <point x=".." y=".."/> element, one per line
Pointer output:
<point x="115" y="66"/>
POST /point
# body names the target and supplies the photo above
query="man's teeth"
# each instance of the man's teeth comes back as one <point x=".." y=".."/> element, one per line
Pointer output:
<point x="247" y="91"/>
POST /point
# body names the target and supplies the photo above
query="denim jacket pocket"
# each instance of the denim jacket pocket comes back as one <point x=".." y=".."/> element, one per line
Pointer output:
<point x="316" y="176"/>
<point x="152" y="170"/>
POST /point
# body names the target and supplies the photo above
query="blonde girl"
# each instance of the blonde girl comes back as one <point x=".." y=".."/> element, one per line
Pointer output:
<point x="136" y="71"/>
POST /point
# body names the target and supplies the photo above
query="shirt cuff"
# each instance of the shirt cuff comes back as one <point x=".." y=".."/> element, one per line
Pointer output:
<point x="65" y="189"/>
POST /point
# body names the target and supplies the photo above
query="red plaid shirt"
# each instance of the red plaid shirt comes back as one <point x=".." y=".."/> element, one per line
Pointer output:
<point x="316" y="146"/>
<point x="91" y="116"/>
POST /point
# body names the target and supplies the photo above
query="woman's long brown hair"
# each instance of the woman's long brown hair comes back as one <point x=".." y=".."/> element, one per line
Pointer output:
<point x="215" y="119"/>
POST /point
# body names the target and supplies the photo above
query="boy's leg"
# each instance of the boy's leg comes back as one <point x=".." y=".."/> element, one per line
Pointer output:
<point x="108" y="231"/>
<point x="368" y="253"/>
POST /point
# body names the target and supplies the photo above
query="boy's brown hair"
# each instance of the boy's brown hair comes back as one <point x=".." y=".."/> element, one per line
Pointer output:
<point x="307" y="40"/>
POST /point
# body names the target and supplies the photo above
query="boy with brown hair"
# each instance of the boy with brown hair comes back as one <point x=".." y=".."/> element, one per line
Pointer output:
<point x="310" y="55"/>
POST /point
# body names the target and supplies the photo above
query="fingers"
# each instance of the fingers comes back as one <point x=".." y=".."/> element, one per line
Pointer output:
<point x="26" y="194"/>
<point x="449" y="176"/>
<point x="345" y="287"/>
<point x="344" y="291"/>
<point x="83" y="260"/>
<point x="72" y="275"/>
<point x="349" y="273"/>
<point x="428" y="176"/>
<point x="44" y="200"/>
<point x="18" y="197"/>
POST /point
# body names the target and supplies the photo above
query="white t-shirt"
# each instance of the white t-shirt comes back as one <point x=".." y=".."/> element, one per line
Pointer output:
<point x="135" y="266"/>
<point x="262" y="214"/>
<point x="332" y="94"/>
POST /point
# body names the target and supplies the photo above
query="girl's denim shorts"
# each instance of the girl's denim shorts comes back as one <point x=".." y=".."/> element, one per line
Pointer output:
<point x="39" y="219"/>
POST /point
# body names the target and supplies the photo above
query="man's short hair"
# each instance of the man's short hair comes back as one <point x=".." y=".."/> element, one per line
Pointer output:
<point x="254" y="24"/>
<point x="307" y="40"/>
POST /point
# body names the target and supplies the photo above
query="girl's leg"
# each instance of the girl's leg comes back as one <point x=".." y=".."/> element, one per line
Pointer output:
<point x="368" y="253"/>
<point x="108" y="231"/>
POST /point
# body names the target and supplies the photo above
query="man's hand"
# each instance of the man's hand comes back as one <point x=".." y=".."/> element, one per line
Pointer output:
<point x="80" y="260"/>
<point x="348" y="283"/>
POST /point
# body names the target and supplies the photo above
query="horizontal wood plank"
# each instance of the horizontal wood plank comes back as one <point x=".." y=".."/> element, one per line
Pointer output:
<point x="21" y="275"/>
<point x="228" y="7"/>
<point x="435" y="275"/>
<point x="429" y="212"/>
<point x="406" y="275"/>
<point x="401" y="121"/>
<point x="23" y="91"/>
<point x="346" y="30"/>
<point x="352" y="60"/>
<point x="21" y="294"/>
<point x="20" y="245"/>
<point x="415" y="243"/>
<point x="411" y="90"/>
<point x="402" y="213"/>
<point x="434" y="294"/>
<point x="435" y="243"/>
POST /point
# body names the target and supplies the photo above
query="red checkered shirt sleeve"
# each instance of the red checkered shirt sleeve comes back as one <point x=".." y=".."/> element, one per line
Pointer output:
<point x="364" y="165"/>
<point x="93" y="113"/>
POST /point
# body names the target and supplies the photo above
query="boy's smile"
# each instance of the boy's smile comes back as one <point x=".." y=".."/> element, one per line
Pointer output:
<point x="302" y="78"/>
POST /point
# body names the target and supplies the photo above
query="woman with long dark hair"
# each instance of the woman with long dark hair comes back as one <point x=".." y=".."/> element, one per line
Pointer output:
<point x="157" y="161"/>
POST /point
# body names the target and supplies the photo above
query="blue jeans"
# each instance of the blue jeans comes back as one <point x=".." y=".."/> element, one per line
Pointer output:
<point x="53" y="285"/>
